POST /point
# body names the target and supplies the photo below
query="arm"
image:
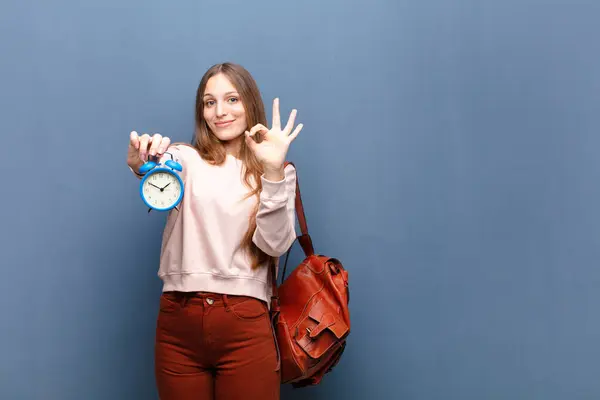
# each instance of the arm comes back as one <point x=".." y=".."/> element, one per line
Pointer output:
<point x="275" y="221"/>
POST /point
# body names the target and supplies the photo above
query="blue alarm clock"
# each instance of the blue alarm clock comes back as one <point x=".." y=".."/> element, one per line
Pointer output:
<point x="161" y="187"/>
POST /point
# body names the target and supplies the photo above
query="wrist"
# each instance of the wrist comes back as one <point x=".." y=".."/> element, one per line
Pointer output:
<point x="274" y="174"/>
<point x="135" y="167"/>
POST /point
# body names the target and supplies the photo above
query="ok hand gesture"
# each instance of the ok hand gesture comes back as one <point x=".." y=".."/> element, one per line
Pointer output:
<point x="271" y="149"/>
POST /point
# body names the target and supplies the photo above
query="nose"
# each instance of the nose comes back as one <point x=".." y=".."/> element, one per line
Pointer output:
<point x="220" y="109"/>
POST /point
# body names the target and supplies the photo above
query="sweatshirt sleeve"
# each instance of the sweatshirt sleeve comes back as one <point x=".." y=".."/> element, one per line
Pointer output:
<point x="275" y="221"/>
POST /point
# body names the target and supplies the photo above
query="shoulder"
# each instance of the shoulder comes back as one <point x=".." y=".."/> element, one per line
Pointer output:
<point x="181" y="152"/>
<point x="183" y="148"/>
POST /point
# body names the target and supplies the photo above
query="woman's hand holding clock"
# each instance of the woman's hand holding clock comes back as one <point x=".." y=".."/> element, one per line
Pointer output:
<point x="140" y="147"/>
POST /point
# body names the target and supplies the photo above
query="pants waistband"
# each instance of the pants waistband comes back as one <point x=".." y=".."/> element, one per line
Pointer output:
<point x="210" y="298"/>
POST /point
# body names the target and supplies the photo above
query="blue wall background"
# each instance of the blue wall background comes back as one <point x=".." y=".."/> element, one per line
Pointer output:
<point x="449" y="159"/>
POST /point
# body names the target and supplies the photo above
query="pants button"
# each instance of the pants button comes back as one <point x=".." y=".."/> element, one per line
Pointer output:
<point x="209" y="300"/>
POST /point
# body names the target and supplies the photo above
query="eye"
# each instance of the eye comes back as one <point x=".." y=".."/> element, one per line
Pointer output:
<point x="233" y="100"/>
<point x="209" y="103"/>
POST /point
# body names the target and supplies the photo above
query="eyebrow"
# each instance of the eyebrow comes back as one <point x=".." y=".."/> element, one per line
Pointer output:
<point x="209" y="94"/>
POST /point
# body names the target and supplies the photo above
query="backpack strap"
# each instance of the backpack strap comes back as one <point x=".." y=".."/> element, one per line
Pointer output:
<point x="304" y="240"/>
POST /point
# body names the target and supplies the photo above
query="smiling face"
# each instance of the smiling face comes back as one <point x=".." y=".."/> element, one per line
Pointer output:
<point x="223" y="110"/>
<point x="228" y="102"/>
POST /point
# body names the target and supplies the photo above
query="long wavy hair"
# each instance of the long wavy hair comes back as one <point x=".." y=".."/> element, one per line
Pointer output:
<point x="212" y="149"/>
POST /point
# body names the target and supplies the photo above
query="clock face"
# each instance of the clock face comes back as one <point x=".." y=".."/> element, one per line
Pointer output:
<point x="161" y="190"/>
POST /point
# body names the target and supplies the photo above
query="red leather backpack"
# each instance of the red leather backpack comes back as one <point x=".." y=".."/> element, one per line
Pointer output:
<point x="309" y="312"/>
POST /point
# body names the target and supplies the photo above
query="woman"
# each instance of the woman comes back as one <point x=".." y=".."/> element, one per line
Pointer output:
<point x="214" y="338"/>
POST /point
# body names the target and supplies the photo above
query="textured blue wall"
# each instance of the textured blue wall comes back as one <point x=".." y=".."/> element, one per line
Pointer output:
<point x="449" y="159"/>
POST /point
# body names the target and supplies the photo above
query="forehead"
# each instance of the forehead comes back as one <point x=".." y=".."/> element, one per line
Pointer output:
<point x="218" y="85"/>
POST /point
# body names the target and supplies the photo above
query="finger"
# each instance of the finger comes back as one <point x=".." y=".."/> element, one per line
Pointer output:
<point x="258" y="128"/>
<point x="144" y="140"/>
<point x="164" y="145"/>
<point x="293" y="135"/>
<point x="276" y="118"/>
<point x="134" y="140"/>
<point x="250" y="141"/>
<point x="156" y="140"/>
<point x="291" y="120"/>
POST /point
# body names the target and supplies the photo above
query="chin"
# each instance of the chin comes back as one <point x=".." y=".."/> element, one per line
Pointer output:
<point x="227" y="134"/>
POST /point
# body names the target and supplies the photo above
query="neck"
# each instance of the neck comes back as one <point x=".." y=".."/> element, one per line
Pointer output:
<point x="234" y="146"/>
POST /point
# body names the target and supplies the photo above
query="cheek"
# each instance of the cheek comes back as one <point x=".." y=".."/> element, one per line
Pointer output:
<point x="241" y="117"/>
<point x="206" y="114"/>
<point x="239" y="111"/>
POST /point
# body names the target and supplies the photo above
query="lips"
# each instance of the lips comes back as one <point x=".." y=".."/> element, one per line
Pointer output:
<point x="223" y="124"/>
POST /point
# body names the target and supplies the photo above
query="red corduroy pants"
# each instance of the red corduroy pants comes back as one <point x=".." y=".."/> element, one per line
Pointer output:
<point x="215" y="347"/>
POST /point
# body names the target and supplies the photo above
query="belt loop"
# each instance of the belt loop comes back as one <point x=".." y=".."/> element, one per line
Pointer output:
<point x="184" y="300"/>
<point x="225" y="303"/>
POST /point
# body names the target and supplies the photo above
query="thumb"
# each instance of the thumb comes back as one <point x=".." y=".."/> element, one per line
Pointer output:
<point x="134" y="141"/>
<point x="250" y="141"/>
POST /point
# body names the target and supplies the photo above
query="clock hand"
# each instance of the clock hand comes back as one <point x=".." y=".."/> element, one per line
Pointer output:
<point x="165" y="186"/>
<point x="155" y="186"/>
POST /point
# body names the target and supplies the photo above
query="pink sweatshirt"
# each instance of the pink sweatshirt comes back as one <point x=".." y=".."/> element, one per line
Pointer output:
<point x="200" y="246"/>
